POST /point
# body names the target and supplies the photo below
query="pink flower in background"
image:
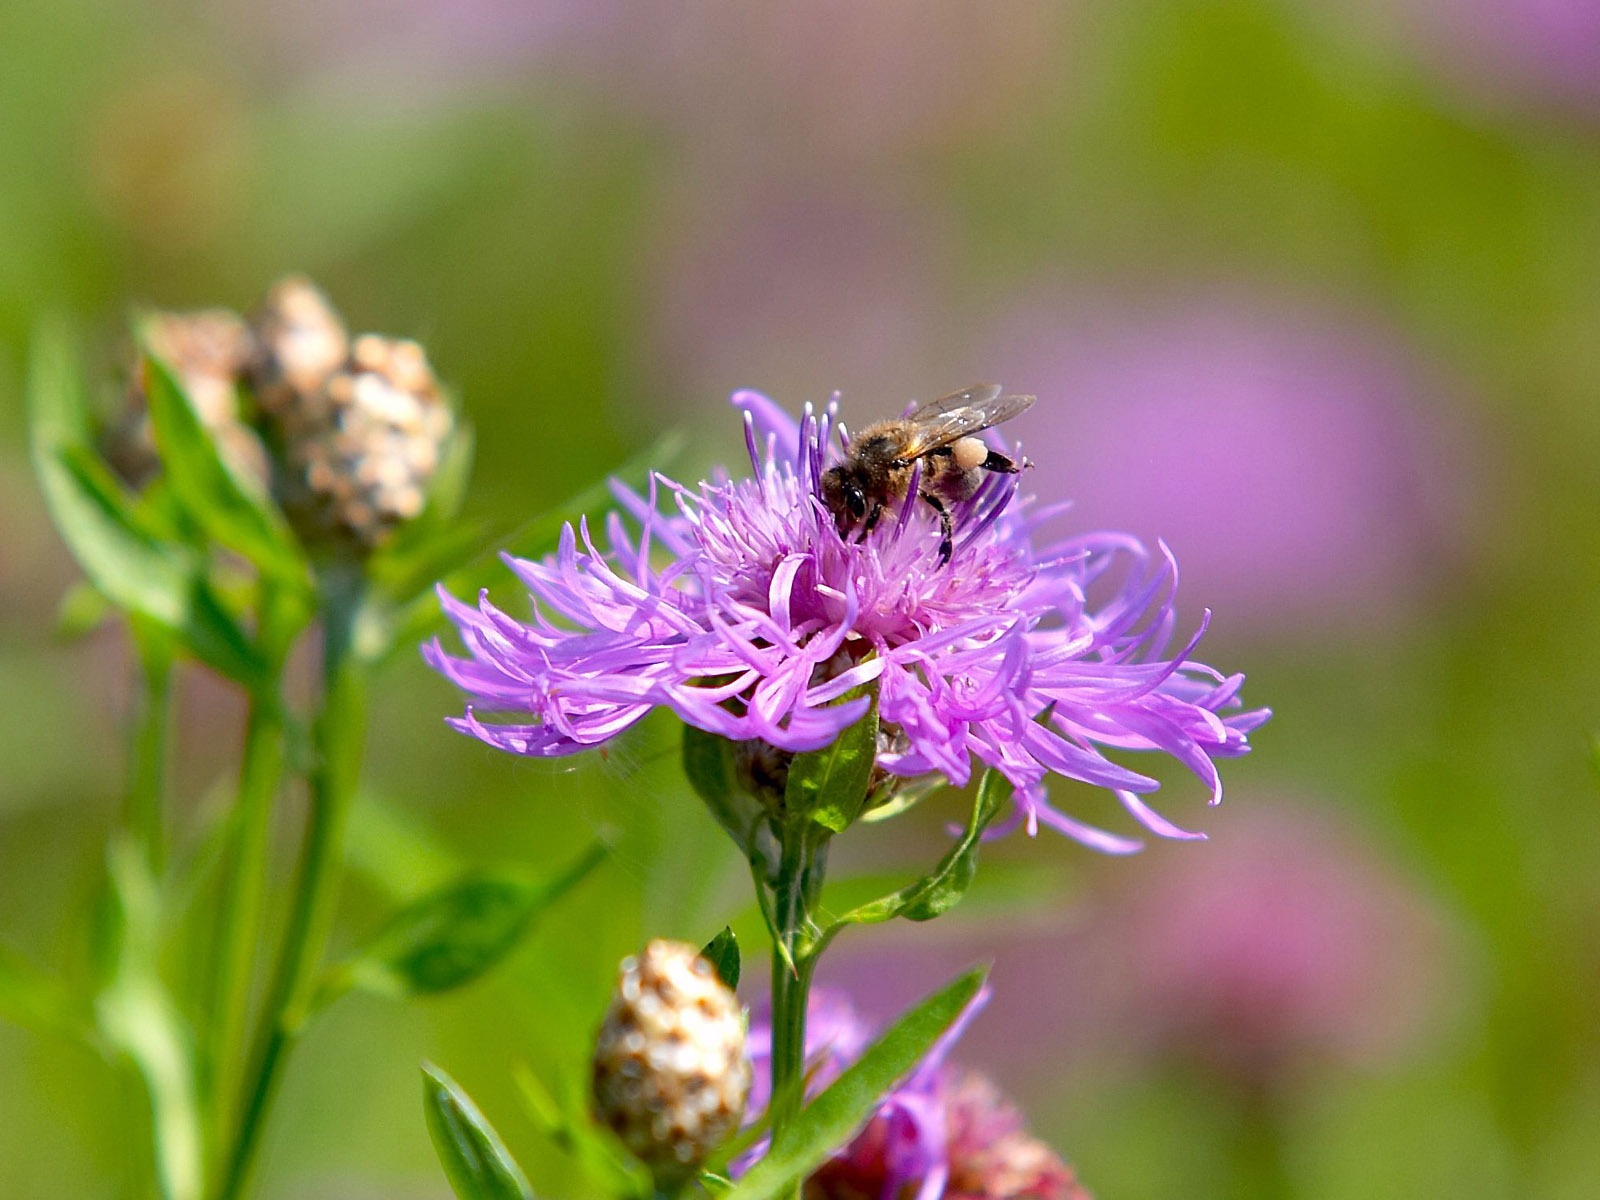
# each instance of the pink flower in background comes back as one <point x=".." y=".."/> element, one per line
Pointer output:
<point x="399" y="45"/>
<point x="1290" y="458"/>
<point x="940" y="1132"/>
<point x="1530" y="53"/>
<point x="840" y="79"/>
<point x="1287" y="945"/>
<point x="807" y="286"/>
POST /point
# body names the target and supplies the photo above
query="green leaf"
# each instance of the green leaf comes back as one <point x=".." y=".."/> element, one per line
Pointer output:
<point x="722" y="952"/>
<point x="453" y="935"/>
<point x="830" y="785"/>
<point x="35" y="1000"/>
<point x="122" y="554"/>
<point x="833" y="1118"/>
<point x="447" y="490"/>
<point x="947" y="884"/>
<point x="474" y="1158"/>
<point x="233" y="514"/>
<point x="138" y="1016"/>
<point x="943" y="887"/>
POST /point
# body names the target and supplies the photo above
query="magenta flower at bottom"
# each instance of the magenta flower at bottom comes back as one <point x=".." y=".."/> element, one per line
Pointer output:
<point x="740" y="606"/>
<point x="941" y="1134"/>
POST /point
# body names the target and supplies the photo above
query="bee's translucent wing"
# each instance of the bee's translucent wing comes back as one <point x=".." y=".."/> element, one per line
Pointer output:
<point x="940" y="422"/>
<point x="974" y="395"/>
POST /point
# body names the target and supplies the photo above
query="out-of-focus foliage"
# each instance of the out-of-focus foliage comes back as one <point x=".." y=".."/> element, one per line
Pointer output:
<point x="1310" y="289"/>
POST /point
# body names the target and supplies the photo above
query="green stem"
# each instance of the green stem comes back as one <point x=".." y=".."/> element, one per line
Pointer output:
<point x="339" y="736"/>
<point x="147" y="774"/>
<point x="1259" y="1144"/>
<point x="796" y="890"/>
<point x="245" y="881"/>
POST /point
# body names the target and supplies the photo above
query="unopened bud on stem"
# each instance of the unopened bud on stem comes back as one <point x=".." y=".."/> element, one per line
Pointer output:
<point x="670" y="1073"/>
<point x="359" y="425"/>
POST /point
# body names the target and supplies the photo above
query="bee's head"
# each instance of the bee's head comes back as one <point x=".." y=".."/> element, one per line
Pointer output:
<point x="845" y="497"/>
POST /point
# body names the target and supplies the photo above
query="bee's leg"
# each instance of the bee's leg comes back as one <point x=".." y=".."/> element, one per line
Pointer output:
<point x="946" y="533"/>
<point x="1000" y="462"/>
<point x="871" y="522"/>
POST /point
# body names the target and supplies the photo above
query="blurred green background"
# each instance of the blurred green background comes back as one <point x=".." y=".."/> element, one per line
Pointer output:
<point x="1310" y="290"/>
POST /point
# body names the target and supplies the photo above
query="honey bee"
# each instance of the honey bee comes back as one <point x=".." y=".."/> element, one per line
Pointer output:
<point x="939" y="435"/>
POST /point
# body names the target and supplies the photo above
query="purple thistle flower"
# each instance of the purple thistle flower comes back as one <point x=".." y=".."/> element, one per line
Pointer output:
<point x="938" y="1133"/>
<point x="750" y="616"/>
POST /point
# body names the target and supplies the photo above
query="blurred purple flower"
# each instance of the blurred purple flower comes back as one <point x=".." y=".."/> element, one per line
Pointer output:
<point x="939" y="1133"/>
<point x="1288" y="456"/>
<point x="857" y="84"/>
<point x="1289" y="945"/>
<point x="838" y="78"/>
<point x="1539" y="53"/>
<point x="774" y="277"/>
<point x="428" y="43"/>
<point x="764" y="616"/>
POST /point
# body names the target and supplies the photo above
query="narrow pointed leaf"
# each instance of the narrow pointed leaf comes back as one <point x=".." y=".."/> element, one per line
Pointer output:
<point x="118" y="549"/>
<point x="232" y="514"/>
<point x="943" y="887"/>
<point x="835" y="1116"/>
<point x="475" y="1160"/>
<point x="722" y="952"/>
<point x="447" y="490"/>
<point x="453" y="935"/>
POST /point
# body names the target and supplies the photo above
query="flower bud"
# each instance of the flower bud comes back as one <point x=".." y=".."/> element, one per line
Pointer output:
<point x="670" y="1072"/>
<point x="359" y="426"/>
<point x="302" y="342"/>
<point x="207" y="351"/>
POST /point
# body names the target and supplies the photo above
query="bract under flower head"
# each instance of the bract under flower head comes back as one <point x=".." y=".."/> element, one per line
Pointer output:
<point x="741" y="607"/>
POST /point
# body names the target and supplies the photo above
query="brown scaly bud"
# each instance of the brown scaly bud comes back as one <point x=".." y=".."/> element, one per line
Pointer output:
<point x="359" y="426"/>
<point x="670" y="1073"/>
<point x="302" y="341"/>
<point x="207" y="351"/>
